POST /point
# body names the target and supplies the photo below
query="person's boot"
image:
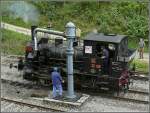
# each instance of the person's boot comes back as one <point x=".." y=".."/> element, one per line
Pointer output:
<point x="56" y="98"/>
<point x="60" y="97"/>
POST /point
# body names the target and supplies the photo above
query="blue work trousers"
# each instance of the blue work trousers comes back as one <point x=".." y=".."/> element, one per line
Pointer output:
<point x="57" y="89"/>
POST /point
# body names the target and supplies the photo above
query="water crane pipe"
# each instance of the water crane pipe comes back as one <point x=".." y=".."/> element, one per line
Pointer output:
<point x="45" y="31"/>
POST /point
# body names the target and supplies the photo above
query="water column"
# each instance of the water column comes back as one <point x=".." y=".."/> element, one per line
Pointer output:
<point x="70" y="34"/>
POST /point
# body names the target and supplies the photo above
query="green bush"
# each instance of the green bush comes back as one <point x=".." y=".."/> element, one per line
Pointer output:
<point x="129" y="18"/>
<point x="141" y="65"/>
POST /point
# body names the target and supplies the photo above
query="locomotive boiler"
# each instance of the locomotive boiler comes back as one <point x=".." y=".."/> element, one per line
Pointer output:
<point x="87" y="61"/>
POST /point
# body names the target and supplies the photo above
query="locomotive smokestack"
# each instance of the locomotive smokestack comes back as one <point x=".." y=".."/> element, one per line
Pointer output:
<point x="32" y="31"/>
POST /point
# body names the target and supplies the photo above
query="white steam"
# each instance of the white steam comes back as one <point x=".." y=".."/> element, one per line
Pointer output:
<point x="24" y="10"/>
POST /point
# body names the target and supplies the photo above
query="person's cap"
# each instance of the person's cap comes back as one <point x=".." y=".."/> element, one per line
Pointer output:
<point x="55" y="69"/>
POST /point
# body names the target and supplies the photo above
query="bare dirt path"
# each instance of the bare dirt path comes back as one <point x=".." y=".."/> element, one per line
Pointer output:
<point x="146" y="57"/>
<point x="24" y="31"/>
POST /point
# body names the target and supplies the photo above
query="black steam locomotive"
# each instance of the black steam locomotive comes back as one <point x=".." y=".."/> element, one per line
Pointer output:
<point x="87" y="61"/>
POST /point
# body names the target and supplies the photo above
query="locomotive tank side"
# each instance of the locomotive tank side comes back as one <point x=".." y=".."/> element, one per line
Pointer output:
<point x="59" y="51"/>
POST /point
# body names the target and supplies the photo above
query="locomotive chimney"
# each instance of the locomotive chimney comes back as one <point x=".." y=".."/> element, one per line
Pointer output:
<point x="32" y="31"/>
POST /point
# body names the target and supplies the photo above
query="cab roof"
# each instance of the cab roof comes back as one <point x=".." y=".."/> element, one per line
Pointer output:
<point x="105" y="38"/>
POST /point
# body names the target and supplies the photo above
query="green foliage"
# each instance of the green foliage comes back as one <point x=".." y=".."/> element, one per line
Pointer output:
<point x="136" y="18"/>
<point x="130" y="18"/>
<point x="13" y="43"/>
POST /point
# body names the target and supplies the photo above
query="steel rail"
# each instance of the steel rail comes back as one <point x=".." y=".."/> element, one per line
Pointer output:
<point x="30" y="105"/>
<point x="131" y="100"/>
<point x="26" y="85"/>
<point x="137" y="91"/>
<point x="122" y="98"/>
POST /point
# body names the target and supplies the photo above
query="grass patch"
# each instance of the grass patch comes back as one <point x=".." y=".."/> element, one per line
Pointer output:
<point x="141" y="65"/>
<point x="13" y="43"/>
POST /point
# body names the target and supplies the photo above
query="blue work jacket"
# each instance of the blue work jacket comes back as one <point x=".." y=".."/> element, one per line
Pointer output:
<point x="56" y="78"/>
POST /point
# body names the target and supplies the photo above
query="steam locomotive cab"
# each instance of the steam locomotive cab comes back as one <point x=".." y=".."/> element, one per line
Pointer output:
<point x="119" y="59"/>
<point x="117" y="46"/>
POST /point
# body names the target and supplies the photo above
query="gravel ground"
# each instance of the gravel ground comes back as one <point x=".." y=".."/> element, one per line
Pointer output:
<point x="136" y="96"/>
<point x="11" y="92"/>
<point x="98" y="104"/>
<point x="139" y="84"/>
<point x="95" y="103"/>
<point x="12" y="74"/>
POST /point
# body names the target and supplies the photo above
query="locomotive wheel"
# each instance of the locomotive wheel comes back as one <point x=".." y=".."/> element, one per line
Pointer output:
<point x="42" y="82"/>
<point x="27" y="76"/>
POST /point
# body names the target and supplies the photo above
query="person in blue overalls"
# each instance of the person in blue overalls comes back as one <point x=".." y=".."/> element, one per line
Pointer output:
<point x="105" y="56"/>
<point x="57" y="83"/>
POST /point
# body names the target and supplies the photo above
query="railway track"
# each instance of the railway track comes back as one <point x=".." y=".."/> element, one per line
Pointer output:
<point x="139" y="77"/>
<point x="135" y="92"/>
<point x="131" y="100"/>
<point x="140" y="92"/>
<point x="30" y="105"/>
<point x="96" y="93"/>
<point x="124" y="96"/>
